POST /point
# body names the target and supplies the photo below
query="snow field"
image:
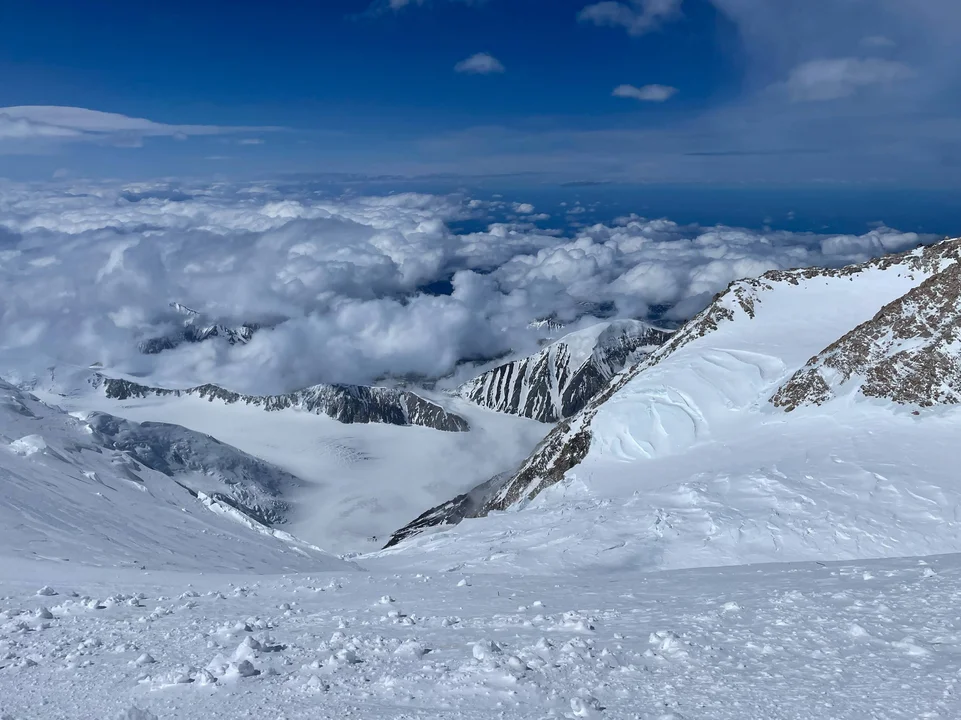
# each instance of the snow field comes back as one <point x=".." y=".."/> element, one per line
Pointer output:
<point x="875" y="639"/>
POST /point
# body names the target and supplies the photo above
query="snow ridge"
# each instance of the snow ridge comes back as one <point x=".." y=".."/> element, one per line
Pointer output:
<point x="569" y="443"/>
<point x="689" y="398"/>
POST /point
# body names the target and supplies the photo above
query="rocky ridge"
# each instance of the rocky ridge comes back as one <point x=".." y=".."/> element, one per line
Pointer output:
<point x="344" y="403"/>
<point x="196" y="328"/>
<point x="909" y="353"/>
<point x="559" y="380"/>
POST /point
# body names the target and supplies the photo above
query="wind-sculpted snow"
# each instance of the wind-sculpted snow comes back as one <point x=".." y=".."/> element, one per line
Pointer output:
<point x="559" y="380"/>
<point x="107" y="492"/>
<point x="682" y="461"/>
<point x="846" y="641"/>
<point x="292" y="288"/>
<point x="344" y="403"/>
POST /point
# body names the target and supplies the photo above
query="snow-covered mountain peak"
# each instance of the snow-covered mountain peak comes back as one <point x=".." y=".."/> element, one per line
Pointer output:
<point x="909" y="353"/>
<point x="683" y="461"/>
<point x="194" y="327"/>
<point x="561" y="378"/>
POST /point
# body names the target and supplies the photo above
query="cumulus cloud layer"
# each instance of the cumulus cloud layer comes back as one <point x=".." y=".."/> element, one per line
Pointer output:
<point x="344" y="284"/>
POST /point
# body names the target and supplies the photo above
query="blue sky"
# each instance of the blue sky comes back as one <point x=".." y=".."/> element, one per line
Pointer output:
<point x="723" y="92"/>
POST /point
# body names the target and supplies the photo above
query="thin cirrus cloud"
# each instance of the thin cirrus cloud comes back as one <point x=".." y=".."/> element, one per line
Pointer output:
<point x="820" y="80"/>
<point x="40" y="123"/>
<point x="636" y="16"/>
<point x="379" y="7"/>
<point x="480" y="64"/>
<point x="646" y="93"/>
<point x="877" y="42"/>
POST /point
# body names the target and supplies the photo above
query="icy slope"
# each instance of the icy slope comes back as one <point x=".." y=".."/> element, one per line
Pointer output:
<point x="559" y="380"/>
<point x="344" y="403"/>
<point x="682" y="461"/>
<point x="70" y="491"/>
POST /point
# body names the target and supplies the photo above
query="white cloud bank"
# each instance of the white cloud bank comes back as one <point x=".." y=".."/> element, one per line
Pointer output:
<point x="646" y="93"/>
<point x="480" y="64"/>
<point x="88" y="271"/>
<point x="55" y="123"/>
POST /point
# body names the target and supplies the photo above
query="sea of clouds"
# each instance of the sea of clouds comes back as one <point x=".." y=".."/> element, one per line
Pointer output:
<point x="352" y="288"/>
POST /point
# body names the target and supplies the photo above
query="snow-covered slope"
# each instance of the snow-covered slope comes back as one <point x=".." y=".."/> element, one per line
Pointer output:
<point x="559" y="380"/>
<point x="875" y="639"/>
<point x="910" y="352"/>
<point x="95" y="492"/>
<point x="344" y="403"/>
<point x="360" y="481"/>
<point x="202" y="464"/>
<point x="683" y="461"/>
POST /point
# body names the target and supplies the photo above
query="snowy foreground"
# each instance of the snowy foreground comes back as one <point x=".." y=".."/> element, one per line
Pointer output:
<point x="874" y="639"/>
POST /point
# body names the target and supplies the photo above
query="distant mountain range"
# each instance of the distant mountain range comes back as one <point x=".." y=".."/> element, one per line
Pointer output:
<point x="344" y="403"/>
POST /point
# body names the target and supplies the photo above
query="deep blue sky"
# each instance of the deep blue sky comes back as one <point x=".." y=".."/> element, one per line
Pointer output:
<point x="790" y="93"/>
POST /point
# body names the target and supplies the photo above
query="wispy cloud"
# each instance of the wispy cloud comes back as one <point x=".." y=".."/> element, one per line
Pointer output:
<point x="646" y="93"/>
<point x="842" y="77"/>
<point x="877" y="42"/>
<point x="379" y="7"/>
<point x="636" y="16"/>
<point x="46" y="123"/>
<point x="480" y="64"/>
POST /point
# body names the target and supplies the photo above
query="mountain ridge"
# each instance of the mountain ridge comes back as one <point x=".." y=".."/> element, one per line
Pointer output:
<point x="344" y="403"/>
<point x="570" y="442"/>
<point x="560" y="379"/>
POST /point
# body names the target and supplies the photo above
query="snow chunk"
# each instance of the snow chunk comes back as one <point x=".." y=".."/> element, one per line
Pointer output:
<point x="28" y="445"/>
<point x="135" y="713"/>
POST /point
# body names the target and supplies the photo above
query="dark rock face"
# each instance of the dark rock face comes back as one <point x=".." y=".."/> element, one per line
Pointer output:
<point x="197" y="329"/>
<point x="344" y="403"/>
<point x="200" y="463"/>
<point x="909" y="353"/>
<point x="560" y="380"/>
<point x="450" y="512"/>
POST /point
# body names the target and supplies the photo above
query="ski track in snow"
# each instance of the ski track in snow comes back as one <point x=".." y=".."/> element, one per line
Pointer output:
<point x="878" y="639"/>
